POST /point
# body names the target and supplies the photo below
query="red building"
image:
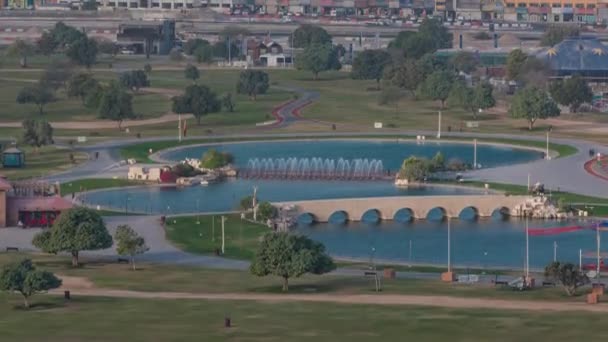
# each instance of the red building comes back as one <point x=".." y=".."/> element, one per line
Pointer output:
<point x="30" y="204"/>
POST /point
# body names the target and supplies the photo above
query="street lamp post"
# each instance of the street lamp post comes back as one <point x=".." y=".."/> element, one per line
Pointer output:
<point x="439" y="126"/>
<point x="554" y="251"/>
<point x="527" y="270"/>
<point x="449" y="246"/>
<point x="547" y="156"/>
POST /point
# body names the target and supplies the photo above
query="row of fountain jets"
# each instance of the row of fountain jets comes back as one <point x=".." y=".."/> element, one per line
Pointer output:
<point x="313" y="168"/>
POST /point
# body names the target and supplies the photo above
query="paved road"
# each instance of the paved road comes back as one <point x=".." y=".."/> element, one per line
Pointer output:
<point x="566" y="173"/>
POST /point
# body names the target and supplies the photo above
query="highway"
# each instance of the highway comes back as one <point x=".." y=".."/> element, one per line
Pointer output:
<point x="257" y="28"/>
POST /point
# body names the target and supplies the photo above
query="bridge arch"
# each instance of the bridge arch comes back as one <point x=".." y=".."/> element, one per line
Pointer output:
<point x="436" y="214"/>
<point x="469" y="213"/>
<point x="306" y="219"/>
<point x="371" y="216"/>
<point x="404" y="215"/>
<point x="338" y="217"/>
<point x="502" y="213"/>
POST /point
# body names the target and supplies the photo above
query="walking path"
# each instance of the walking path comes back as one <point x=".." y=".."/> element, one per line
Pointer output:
<point x="379" y="299"/>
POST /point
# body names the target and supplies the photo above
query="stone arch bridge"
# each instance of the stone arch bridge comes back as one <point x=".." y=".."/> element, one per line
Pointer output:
<point x="418" y="207"/>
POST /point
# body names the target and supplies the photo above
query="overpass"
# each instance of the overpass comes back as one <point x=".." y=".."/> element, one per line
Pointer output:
<point x="407" y="207"/>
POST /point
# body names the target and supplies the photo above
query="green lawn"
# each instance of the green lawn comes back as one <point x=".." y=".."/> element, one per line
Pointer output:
<point x="199" y="234"/>
<point x="137" y="320"/>
<point x="111" y="319"/>
<point x="89" y="184"/>
<point x="158" y="277"/>
<point x="47" y="160"/>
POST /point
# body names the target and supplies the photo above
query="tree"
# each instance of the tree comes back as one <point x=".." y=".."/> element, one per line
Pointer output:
<point x="57" y="74"/>
<point x="407" y="75"/>
<point x="228" y="102"/>
<point x="572" y="92"/>
<point x="567" y="274"/>
<point x="193" y="44"/>
<point x="23" y="277"/>
<point x="307" y="35"/>
<point x="37" y="132"/>
<point x="252" y="83"/>
<point x="108" y="47"/>
<point x="414" y="169"/>
<point x="128" y="242"/>
<point x="116" y="104"/>
<point x="318" y="58"/>
<point x="534" y="72"/>
<point x="213" y="159"/>
<point x="191" y="72"/>
<point x="471" y="99"/>
<point x="266" y="211"/>
<point x="390" y="95"/>
<point x="21" y="49"/>
<point x="83" y="51"/>
<point x="203" y="54"/>
<point x="532" y="103"/>
<point x="515" y="61"/>
<point x="147" y="68"/>
<point x="65" y="35"/>
<point x="437" y="86"/>
<point x="82" y="85"/>
<point x="464" y="61"/>
<point x="39" y="94"/>
<point x="370" y="64"/>
<point x="47" y="44"/>
<point x="401" y="40"/>
<point x="555" y="34"/>
<point x="77" y="229"/>
<point x="439" y="34"/>
<point x="176" y="55"/>
<point x="220" y="50"/>
<point x="287" y="256"/>
<point x="198" y="100"/>
<point x="438" y="162"/>
<point x="246" y="203"/>
<point x="134" y="79"/>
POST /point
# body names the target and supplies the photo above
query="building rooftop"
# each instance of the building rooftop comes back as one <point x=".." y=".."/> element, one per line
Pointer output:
<point x="577" y="54"/>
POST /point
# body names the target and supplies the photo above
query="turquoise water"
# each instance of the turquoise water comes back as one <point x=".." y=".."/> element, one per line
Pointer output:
<point x="487" y="242"/>
<point x="483" y="243"/>
<point x="392" y="153"/>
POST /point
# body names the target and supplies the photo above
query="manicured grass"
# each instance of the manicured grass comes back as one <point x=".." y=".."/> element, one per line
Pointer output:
<point x="199" y="234"/>
<point x="88" y="184"/>
<point x="46" y="161"/>
<point x="156" y="277"/>
<point x="69" y="109"/>
<point x="112" y="319"/>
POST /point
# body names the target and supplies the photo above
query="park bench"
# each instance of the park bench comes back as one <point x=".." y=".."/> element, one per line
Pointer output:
<point x="123" y="260"/>
<point x="12" y="249"/>
<point x="549" y="283"/>
<point x="374" y="274"/>
<point x="501" y="282"/>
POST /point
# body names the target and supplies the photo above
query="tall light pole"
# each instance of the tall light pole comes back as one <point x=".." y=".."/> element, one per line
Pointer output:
<point x="597" y="238"/>
<point x="474" y="153"/>
<point x="223" y="234"/>
<point x="554" y="251"/>
<point x="439" y="126"/>
<point x="527" y="270"/>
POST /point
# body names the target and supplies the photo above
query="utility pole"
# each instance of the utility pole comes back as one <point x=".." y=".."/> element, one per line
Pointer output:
<point x="223" y="235"/>
<point x="212" y="228"/>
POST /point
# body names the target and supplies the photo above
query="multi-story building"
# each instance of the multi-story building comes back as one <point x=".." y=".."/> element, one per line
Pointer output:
<point x="581" y="11"/>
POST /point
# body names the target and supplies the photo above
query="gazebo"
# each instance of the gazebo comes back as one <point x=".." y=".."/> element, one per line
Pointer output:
<point x="13" y="157"/>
